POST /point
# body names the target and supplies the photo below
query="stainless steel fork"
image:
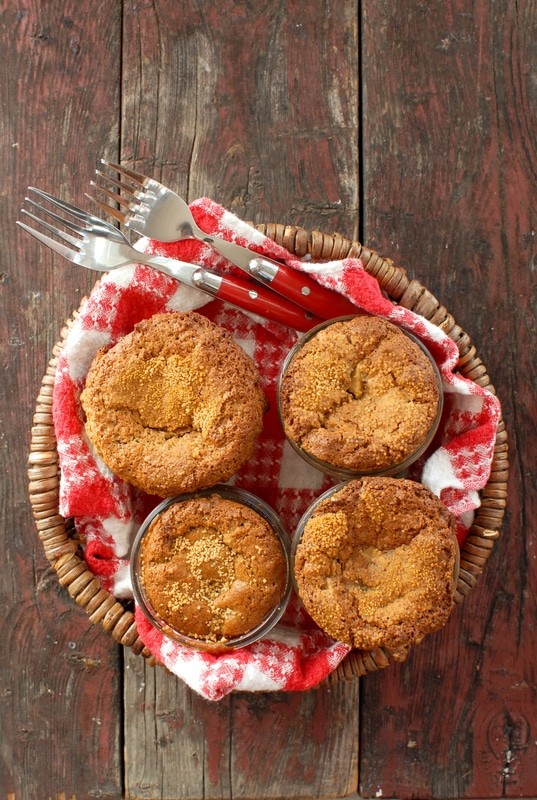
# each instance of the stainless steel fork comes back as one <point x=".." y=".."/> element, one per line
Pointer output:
<point x="153" y="210"/>
<point x="92" y="243"/>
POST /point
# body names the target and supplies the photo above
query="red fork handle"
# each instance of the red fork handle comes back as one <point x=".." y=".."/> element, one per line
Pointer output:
<point x="301" y="289"/>
<point x="240" y="292"/>
<point x="266" y="303"/>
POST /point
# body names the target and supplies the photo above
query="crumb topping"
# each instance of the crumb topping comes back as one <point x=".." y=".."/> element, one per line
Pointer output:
<point x="175" y="406"/>
<point x="163" y="392"/>
<point x="375" y="565"/>
<point x="360" y="395"/>
<point x="212" y="568"/>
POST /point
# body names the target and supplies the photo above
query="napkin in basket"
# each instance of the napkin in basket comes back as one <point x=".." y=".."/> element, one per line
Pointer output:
<point x="107" y="512"/>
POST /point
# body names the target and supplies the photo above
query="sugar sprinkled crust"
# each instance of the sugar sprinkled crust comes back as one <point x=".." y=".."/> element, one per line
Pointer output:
<point x="175" y="406"/>
<point x="360" y="395"/>
<point x="375" y="564"/>
<point x="212" y="568"/>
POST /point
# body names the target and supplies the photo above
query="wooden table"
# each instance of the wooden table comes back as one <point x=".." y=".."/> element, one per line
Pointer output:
<point x="409" y="126"/>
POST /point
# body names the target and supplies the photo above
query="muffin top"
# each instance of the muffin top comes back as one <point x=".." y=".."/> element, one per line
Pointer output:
<point x="359" y="395"/>
<point x="212" y="568"/>
<point x="174" y="406"/>
<point x="375" y="565"/>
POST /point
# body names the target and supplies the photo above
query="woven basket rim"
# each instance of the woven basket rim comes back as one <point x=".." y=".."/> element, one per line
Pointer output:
<point x="58" y="535"/>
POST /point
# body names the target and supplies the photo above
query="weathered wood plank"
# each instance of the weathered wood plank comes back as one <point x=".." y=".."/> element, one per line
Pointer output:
<point x="59" y="95"/>
<point x="449" y="166"/>
<point x="179" y="745"/>
<point x="254" y="105"/>
<point x="296" y="744"/>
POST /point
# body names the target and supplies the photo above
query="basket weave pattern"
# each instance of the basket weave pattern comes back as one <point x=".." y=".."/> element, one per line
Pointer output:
<point x="58" y="535"/>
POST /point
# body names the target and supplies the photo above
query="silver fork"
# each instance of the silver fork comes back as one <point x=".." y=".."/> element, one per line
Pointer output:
<point x="92" y="243"/>
<point x="153" y="210"/>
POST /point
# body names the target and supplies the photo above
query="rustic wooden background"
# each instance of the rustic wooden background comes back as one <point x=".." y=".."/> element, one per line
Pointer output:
<point x="410" y="126"/>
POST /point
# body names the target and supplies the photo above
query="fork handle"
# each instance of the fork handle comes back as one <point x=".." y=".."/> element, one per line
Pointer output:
<point x="255" y="298"/>
<point x="288" y="282"/>
<point x="301" y="289"/>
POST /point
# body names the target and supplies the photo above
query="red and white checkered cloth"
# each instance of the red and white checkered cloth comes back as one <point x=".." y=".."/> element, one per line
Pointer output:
<point x="108" y="512"/>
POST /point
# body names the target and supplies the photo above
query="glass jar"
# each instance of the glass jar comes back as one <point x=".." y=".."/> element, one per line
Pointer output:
<point x="341" y="471"/>
<point x="341" y="568"/>
<point x="208" y="567"/>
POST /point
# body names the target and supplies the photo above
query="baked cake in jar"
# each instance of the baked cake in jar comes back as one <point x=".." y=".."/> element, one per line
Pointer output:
<point x="211" y="570"/>
<point x="375" y="562"/>
<point x="360" y="396"/>
<point x="174" y="406"/>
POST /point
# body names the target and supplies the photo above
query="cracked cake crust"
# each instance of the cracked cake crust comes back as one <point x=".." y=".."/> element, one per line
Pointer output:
<point x="375" y="565"/>
<point x="174" y="406"/>
<point x="360" y="395"/>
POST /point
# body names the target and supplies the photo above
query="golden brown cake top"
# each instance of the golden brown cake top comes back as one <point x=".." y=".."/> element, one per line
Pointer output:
<point x="376" y="561"/>
<point x="360" y="395"/>
<point x="175" y="406"/>
<point x="212" y="568"/>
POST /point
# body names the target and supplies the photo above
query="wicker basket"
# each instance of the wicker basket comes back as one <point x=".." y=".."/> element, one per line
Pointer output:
<point x="58" y="535"/>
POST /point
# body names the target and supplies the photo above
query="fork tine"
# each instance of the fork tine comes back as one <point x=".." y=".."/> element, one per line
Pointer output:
<point x="58" y="247"/>
<point x="72" y="226"/>
<point x="114" y="212"/>
<point x="128" y="202"/>
<point x="75" y="212"/>
<point x="137" y="177"/>
<point x="121" y="186"/>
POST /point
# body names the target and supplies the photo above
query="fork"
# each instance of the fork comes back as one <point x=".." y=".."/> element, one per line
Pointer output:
<point x="155" y="211"/>
<point x="98" y="245"/>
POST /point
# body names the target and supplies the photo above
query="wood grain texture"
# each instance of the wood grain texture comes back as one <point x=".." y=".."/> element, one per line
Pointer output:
<point x="253" y="104"/>
<point x="59" y="677"/>
<point x="179" y="745"/>
<point x="450" y="173"/>
<point x="419" y="129"/>
<point x="215" y="103"/>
